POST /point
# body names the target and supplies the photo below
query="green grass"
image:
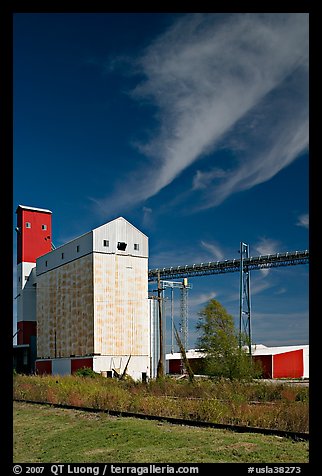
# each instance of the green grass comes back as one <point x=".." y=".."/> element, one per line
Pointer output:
<point x="47" y="434"/>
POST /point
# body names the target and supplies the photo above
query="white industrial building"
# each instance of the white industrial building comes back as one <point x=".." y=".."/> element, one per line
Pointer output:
<point x="91" y="301"/>
<point x="86" y="304"/>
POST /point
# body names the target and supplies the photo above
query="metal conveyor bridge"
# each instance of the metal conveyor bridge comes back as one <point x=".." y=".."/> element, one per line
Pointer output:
<point x="231" y="266"/>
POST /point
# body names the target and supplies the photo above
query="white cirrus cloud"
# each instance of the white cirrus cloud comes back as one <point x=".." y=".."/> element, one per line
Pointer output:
<point x="214" y="249"/>
<point x="266" y="246"/>
<point x="201" y="298"/>
<point x="202" y="180"/>
<point x="241" y="78"/>
<point x="303" y="220"/>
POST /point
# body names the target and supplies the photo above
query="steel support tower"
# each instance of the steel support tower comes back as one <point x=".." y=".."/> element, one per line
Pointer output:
<point x="184" y="313"/>
<point x="244" y="299"/>
<point x="183" y="286"/>
<point x="243" y="265"/>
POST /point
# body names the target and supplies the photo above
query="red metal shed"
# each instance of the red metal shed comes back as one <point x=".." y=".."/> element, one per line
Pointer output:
<point x="283" y="362"/>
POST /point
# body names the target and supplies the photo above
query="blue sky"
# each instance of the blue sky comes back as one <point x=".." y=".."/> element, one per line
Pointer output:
<point x="193" y="127"/>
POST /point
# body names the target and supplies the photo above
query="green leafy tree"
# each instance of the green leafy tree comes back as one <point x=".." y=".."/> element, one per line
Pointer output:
<point x="220" y="341"/>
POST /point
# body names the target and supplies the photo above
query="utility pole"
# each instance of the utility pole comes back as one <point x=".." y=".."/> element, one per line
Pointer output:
<point x="160" y="368"/>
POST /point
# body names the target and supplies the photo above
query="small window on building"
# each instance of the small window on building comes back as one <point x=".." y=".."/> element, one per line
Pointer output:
<point x="77" y="248"/>
<point x="121" y="246"/>
<point x="136" y="246"/>
<point x="106" y="243"/>
<point x="46" y="263"/>
<point x="19" y="279"/>
<point x="62" y="256"/>
<point x="28" y="224"/>
<point x="44" y="227"/>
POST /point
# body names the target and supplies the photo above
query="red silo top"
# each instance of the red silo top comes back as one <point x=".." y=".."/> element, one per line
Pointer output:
<point x="34" y="233"/>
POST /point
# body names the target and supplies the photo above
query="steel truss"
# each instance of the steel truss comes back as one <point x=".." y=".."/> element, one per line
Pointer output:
<point x="231" y="266"/>
<point x="244" y="299"/>
<point x="183" y="286"/>
<point x="243" y="265"/>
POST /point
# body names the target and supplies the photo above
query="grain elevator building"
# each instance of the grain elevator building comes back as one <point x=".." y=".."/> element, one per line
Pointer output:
<point x="91" y="302"/>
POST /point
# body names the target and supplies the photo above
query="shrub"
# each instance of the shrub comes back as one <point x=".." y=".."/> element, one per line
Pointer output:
<point x="86" y="372"/>
<point x="302" y="395"/>
<point x="220" y="400"/>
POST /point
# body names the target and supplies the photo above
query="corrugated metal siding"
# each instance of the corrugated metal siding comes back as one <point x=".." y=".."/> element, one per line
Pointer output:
<point x="61" y="367"/>
<point x="27" y="329"/>
<point x="175" y="366"/>
<point x="288" y="364"/>
<point x="154" y="337"/>
<point x="25" y="269"/>
<point x="136" y="365"/>
<point x="28" y="298"/>
<point x="65" y="310"/>
<point x="75" y="249"/>
<point x="120" y="230"/>
<point x="306" y="364"/>
<point x="33" y="241"/>
<point x="43" y="367"/>
<point x="26" y="292"/>
<point x="266" y="364"/>
<point x="77" y="364"/>
<point x="121" y="305"/>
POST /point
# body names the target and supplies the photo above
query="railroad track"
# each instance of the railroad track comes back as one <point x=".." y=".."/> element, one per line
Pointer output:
<point x="179" y="421"/>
